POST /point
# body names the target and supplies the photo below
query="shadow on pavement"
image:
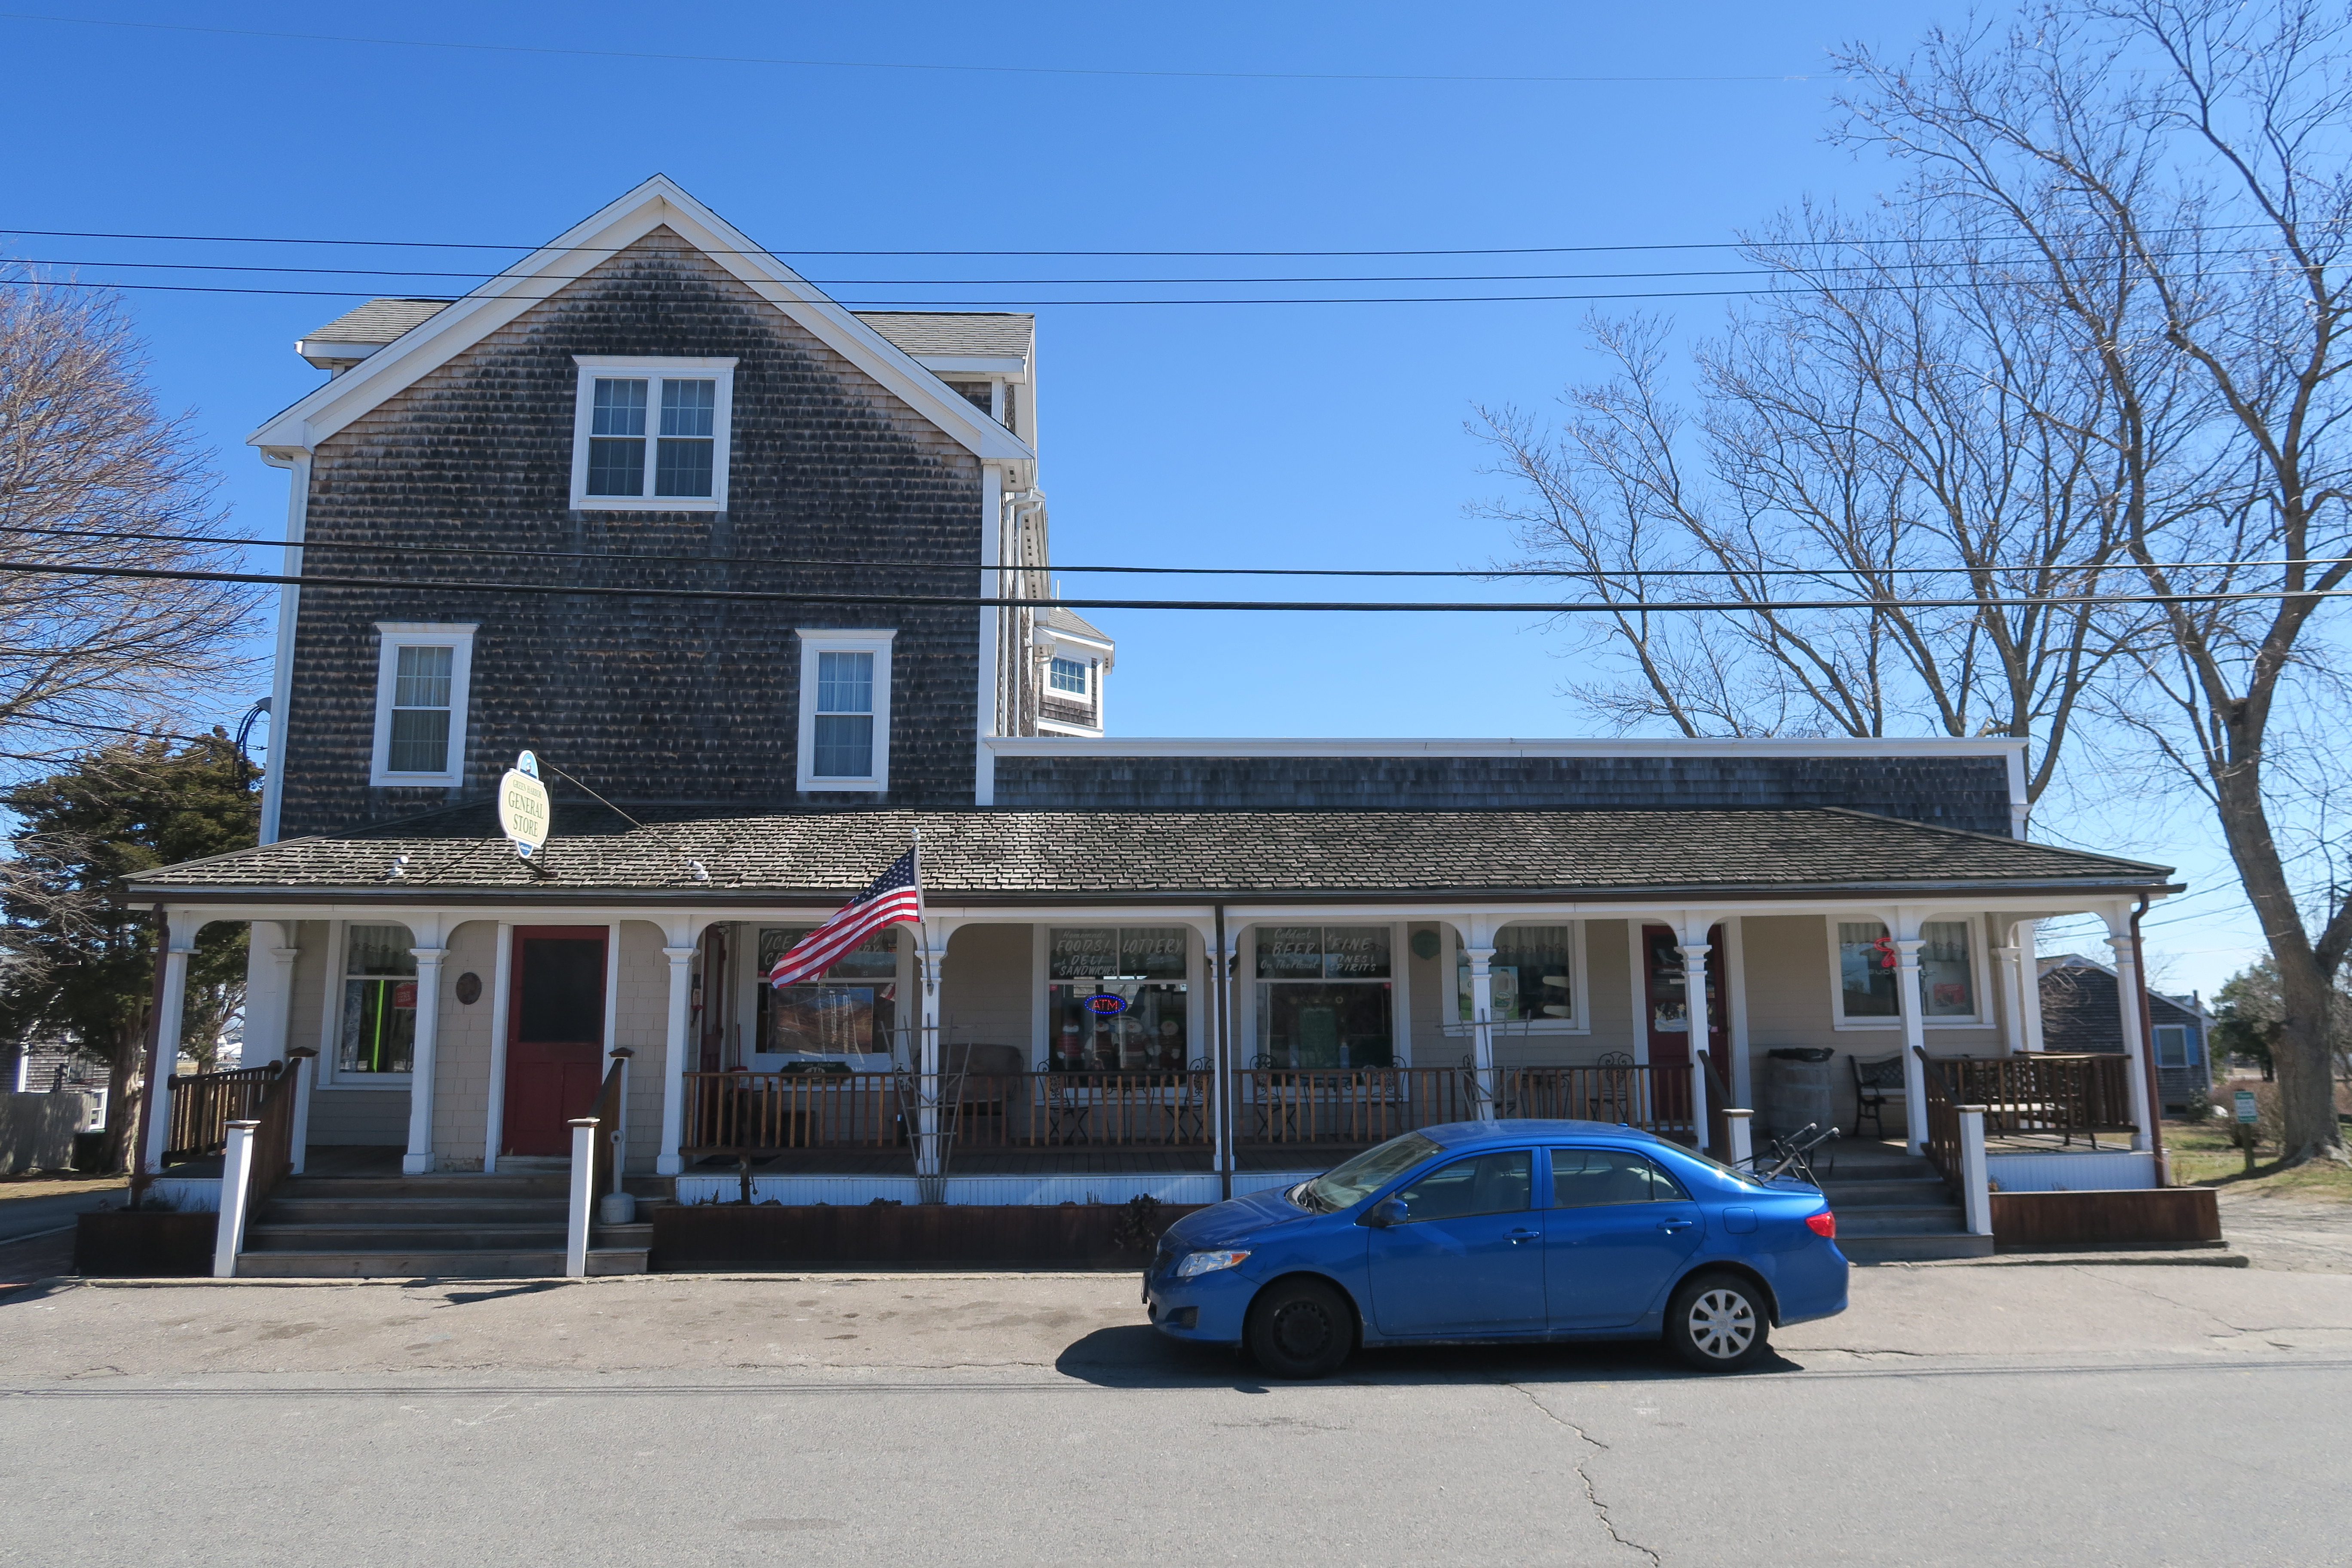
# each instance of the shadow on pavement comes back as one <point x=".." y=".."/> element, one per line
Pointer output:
<point x="1136" y="1356"/>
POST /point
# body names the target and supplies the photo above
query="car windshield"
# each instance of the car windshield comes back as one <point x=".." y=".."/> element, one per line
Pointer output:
<point x="1368" y="1171"/>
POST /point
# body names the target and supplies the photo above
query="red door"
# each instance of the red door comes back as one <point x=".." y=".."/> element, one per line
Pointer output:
<point x="555" y="1034"/>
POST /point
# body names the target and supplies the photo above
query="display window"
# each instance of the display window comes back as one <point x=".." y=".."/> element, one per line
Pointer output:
<point x="1326" y="998"/>
<point x="1118" y="998"/>
<point x="850" y="1010"/>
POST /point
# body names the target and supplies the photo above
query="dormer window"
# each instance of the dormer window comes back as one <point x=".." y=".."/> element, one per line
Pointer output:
<point x="651" y="435"/>
<point x="1068" y="675"/>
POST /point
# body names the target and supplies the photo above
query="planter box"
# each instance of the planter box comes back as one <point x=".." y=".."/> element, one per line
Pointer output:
<point x="689" y="1236"/>
<point x="2150" y="1217"/>
<point x="144" y="1243"/>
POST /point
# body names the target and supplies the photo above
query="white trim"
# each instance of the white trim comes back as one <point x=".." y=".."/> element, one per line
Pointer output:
<point x="396" y="636"/>
<point x="1245" y="746"/>
<point x="1979" y="965"/>
<point x="815" y="640"/>
<point x="1580" y="1018"/>
<point x="289" y="609"/>
<point x="653" y="370"/>
<point x="996" y="367"/>
<point x="657" y="203"/>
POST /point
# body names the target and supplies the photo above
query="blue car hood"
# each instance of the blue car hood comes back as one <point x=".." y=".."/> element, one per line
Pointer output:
<point x="1233" y="1219"/>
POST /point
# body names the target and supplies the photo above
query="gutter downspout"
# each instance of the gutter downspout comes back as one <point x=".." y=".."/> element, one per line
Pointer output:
<point x="2148" y="1054"/>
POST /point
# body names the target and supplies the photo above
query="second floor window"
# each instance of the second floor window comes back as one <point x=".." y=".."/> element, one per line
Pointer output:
<point x="652" y="433"/>
<point x="1068" y="675"/>
<point x="422" y="673"/>
<point x="844" y="715"/>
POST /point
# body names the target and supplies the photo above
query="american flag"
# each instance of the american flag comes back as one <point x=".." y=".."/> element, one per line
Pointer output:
<point x="894" y="898"/>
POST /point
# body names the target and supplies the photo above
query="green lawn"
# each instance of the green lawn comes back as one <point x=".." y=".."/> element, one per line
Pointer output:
<point x="2203" y="1156"/>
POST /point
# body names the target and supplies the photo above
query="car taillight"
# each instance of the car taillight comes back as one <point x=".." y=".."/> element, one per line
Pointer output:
<point x="1822" y="1224"/>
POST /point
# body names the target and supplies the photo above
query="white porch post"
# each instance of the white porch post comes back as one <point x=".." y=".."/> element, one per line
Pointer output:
<point x="930" y="949"/>
<point x="2030" y="948"/>
<point x="237" y="1181"/>
<point x="1743" y="1136"/>
<point x="679" y="949"/>
<point x="581" y="1213"/>
<point x="2127" y="1009"/>
<point x="1695" y="1015"/>
<point x="429" y="954"/>
<point x="179" y="943"/>
<point x="270" y="954"/>
<point x="1975" y="1189"/>
<point x="1915" y="1033"/>
<point x="1740" y="1078"/>
<point x="2013" y="995"/>
<point x="1477" y="939"/>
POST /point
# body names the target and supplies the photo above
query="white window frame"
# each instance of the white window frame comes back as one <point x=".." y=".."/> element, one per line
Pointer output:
<point x="330" y="1018"/>
<point x="816" y="640"/>
<point x="1085" y="691"/>
<point x="2156" y="1039"/>
<point x="392" y="636"/>
<point x="652" y="371"/>
<point x="1579" y="1022"/>
<point x="1980" y="977"/>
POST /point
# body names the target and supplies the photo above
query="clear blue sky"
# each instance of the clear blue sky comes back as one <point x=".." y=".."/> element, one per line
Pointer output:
<point x="1287" y="434"/>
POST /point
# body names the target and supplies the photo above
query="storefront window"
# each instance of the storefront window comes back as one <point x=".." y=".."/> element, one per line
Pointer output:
<point x="850" y="1010"/>
<point x="378" y="1032"/>
<point x="1946" y="980"/>
<point x="1117" y="998"/>
<point x="1324" y="997"/>
<point x="1534" y="977"/>
<point x="1868" y="965"/>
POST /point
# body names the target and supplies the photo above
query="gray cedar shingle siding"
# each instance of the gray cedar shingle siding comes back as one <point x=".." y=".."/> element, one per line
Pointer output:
<point x="1050" y="855"/>
<point x="2080" y="1013"/>
<point x="640" y="699"/>
<point x="1970" y="792"/>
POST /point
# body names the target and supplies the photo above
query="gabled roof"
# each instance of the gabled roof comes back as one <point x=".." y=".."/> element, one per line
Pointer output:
<point x="659" y="203"/>
<point x="1016" y="856"/>
<point x="377" y="322"/>
<point x="957" y="334"/>
<point x="1061" y="620"/>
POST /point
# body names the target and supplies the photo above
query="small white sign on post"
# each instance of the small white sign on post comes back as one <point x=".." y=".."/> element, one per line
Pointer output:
<point x="523" y="809"/>
<point x="2246" y="1109"/>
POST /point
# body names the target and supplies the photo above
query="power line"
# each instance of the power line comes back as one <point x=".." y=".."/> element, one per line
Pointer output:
<point x="958" y="601"/>
<point x="1482" y="574"/>
<point x="1853" y="243"/>
<point x="884" y="65"/>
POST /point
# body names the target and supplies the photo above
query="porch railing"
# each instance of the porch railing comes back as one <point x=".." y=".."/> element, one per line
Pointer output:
<point x="731" y="1112"/>
<point x="1943" y="1145"/>
<point x="204" y="1104"/>
<point x="1654" y="1099"/>
<point x="2044" y="1091"/>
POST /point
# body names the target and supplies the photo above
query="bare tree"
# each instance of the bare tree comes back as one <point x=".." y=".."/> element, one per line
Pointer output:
<point x="2197" y="148"/>
<point x="84" y="453"/>
<point x="1900" y="421"/>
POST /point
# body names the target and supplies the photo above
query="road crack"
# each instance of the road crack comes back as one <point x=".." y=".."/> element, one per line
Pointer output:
<point x="1584" y="1476"/>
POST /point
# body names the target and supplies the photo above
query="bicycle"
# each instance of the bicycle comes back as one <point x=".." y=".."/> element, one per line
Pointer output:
<point x="1792" y="1155"/>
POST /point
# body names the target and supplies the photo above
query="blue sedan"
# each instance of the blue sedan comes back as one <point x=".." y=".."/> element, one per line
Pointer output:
<point x="1501" y="1232"/>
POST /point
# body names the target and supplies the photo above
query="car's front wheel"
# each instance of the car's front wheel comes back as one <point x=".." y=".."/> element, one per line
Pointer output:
<point x="1300" y="1327"/>
<point x="1717" y="1322"/>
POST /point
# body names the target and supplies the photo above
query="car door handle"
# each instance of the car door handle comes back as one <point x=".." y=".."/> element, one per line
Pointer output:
<point x="1672" y="1225"/>
<point x="1519" y="1236"/>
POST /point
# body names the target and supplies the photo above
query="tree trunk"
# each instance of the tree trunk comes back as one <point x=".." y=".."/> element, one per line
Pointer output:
<point x="122" y="1098"/>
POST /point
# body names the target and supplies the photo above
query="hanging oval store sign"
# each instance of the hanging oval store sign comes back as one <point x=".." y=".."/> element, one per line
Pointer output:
<point x="523" y="808"/>
<point x="1106" y="1004"/>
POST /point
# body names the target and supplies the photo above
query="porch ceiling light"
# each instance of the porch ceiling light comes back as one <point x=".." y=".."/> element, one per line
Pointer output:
<point x="1199" y="1263"/>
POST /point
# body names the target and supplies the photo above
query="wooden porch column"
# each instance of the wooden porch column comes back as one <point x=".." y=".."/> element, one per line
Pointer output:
<point x="1478" y="936"/>
<point x="2127" y="1009"/>
<point x="170" y="1014"/>
<point x="419" y="1158"/>
<point x="2012" y="993"/>
<point x="679" y="949"/>
<point x="1696" y="1014"/>
<point x="1915" y="1033"/>
<point x="930" y="950"/>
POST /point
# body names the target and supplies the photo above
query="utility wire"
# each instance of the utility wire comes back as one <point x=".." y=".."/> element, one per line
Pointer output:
<point x="1857" y="243"/>
<point x="958" y="601"/>
<point x="1488" y="574"/>
<point x="880" y="65"/>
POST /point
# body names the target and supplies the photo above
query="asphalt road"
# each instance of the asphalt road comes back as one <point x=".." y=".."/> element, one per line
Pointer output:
<point x="2017" y="1416"/>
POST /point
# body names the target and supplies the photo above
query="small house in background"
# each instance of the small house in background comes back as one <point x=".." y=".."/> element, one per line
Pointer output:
<point x="2079" y="1013"/>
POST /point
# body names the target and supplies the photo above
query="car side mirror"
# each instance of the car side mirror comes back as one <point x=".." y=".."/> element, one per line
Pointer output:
<point x="1386" y="1213"/>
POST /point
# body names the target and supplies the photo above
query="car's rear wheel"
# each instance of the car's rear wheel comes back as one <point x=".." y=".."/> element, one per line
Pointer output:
<point x="1300" y="1327"/>
<point x="1717" y="1322"/>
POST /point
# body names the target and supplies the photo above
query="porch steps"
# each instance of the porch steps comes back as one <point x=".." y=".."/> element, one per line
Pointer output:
<point x="1892" y="1208"/>
<point x="504" y="1226"/>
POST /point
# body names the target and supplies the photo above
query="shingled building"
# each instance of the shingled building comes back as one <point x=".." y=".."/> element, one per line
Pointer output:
<point x="651" y="507"/>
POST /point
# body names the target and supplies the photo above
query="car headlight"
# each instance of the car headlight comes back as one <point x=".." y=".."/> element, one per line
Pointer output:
<point x="1199" y="1263"/>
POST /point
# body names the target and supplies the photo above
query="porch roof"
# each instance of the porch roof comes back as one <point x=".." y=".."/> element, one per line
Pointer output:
<point x="979" y="856"/>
